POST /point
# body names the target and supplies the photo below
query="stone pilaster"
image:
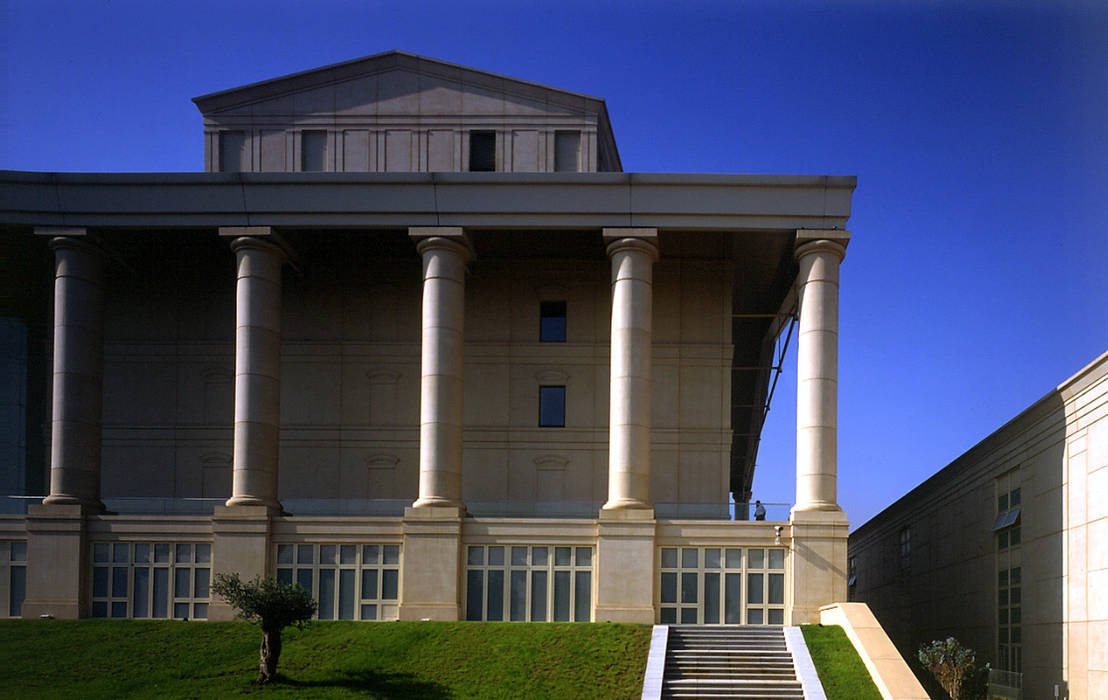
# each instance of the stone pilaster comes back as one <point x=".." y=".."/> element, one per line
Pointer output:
<point x="78" y="381"/>
<point x="625" y="566"/>
<point x="818" y="254"/>
<point x="817" y="548"/>
<point x="241" y="544"/>
<point x="445" y="251"/>
<point x="257" y="365"/>
<point x="57" y="560"/>
<point x="632" y="252"/>
<point x="432" y="563"/>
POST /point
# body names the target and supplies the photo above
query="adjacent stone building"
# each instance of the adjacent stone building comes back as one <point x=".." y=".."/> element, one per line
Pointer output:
<point x="1005" y="549"/>
<point x="417" y="342"/>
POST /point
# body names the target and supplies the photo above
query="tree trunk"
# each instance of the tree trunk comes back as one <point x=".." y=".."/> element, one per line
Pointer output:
<point x="270" y="654"/>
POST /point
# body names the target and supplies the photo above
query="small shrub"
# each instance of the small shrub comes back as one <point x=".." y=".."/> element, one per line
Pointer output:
<point x="950" y="663"/>
<point x="271" y="605"/>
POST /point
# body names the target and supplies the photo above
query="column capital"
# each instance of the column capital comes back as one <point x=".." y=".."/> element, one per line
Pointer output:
<point x="810" y="241"/>
<point x="642" y="239"/>
<point x="259" y="238"/>
<point x="75" y="238"/>
<point x="256" y="243"/>
<point x="452" y="238"/>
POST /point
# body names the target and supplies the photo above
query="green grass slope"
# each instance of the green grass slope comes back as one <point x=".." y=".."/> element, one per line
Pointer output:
<point x="840" y="669"/>
<point x="428" y="660"/>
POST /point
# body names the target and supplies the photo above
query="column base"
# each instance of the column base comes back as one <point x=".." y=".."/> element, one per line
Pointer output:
<point x="63" y="499"/>
<point x="627" y="504"/>
<point x="817" y="507"/>
<point x="435" y="502"/>
<point x="237" y="501"/>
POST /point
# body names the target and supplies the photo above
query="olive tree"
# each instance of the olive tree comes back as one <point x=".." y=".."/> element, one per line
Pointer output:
<point x="271" y="605"/>
<point x="949" y="662"/>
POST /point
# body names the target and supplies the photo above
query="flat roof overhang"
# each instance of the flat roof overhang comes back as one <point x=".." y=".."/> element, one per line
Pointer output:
<point x="755" y="216"/>
<point x="390" y="200"/>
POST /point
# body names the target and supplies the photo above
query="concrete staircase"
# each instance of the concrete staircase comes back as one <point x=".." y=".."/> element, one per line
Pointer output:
<point x="730" y="661"/>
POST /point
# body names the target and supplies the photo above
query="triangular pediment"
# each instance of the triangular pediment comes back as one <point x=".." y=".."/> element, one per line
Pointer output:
<point x="396" y="84"/>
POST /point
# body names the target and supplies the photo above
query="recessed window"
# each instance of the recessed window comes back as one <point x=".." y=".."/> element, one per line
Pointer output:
<point x="552" y="325"/>
<point x="905" y="551"/>
<point x="313" y="149"/>
<point x="1009" y="619"/>
<point x="552" y="406"/>
<point x="567" y="151"/>
<point x="1007" y="523"/>
<point x="482" y="151"/>
<point x="232" y="151"/>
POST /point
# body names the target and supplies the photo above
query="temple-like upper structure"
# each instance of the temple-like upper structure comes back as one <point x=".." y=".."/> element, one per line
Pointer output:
<point x="398" y="112"/>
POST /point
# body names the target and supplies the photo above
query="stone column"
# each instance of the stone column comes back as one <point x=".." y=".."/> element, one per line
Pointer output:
<point x="78" y="369"/>
<point x="818" y="254"/>
<point x="445" y="252"/>
<point x="257" y="365"/>
<point x="633" y="252"/>
<point x="818" y="527"/>
<point x="432" y="562"/>
<point x="57" y="534"/>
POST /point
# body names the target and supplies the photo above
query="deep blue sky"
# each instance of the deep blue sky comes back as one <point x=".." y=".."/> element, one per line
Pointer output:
<point x="976" y="278"/>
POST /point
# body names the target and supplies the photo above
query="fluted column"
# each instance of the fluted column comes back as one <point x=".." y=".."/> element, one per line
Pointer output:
<point x="632" y="252"/>
<point x="818" y="254"/>
<point x="445" y="252"/>
<point x="78" y="369"/>
<point x="257" y="367"/>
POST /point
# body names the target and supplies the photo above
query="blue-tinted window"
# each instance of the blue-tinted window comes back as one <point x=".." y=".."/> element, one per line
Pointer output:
<point x="552" y="328"/>
<point x="552" y="406"/>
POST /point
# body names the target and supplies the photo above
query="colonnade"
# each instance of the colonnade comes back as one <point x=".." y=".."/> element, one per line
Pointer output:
<point x="432" y="525"/>
<point x="445" y="252"/>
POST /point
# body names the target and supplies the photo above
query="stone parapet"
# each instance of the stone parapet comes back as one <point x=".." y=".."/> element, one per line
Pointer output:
<point x="892" y="676"/>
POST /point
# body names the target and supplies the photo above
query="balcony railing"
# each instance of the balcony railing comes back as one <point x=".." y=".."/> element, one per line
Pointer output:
<point x="385" y="507"/>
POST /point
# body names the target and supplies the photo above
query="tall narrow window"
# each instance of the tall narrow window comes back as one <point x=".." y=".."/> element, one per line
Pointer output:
<point x="567" y="151"/>
<point x="552" y="325"/>
<point x="232" y="151"/>
<point x="552" y="406"/>
<point x="1007" y="523"/>
<point x="905" y="551"/>
<point x="1009" y="620"/>
<point x="313" y="149"/>
<point x="482" y="151"/>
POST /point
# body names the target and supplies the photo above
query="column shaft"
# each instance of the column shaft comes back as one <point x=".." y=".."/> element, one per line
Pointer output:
<point x="817" y="374"/>
<point x="445" y="253"/>
<point x="257" y="372"/>
<point x="632" y="252"/>
<point x="78" y="372"/>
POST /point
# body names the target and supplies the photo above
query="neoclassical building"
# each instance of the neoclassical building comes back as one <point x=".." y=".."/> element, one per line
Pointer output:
<point x="415" y="341"/>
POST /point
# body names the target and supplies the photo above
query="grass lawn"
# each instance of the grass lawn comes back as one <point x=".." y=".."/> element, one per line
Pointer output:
<point x="427" y="660"/>
<point x="840" y="669"/>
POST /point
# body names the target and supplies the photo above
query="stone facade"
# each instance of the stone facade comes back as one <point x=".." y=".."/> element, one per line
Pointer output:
<point x="397" y="112"/>
<point x="425" y="395"/>
<point x="1030" y="498"/>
